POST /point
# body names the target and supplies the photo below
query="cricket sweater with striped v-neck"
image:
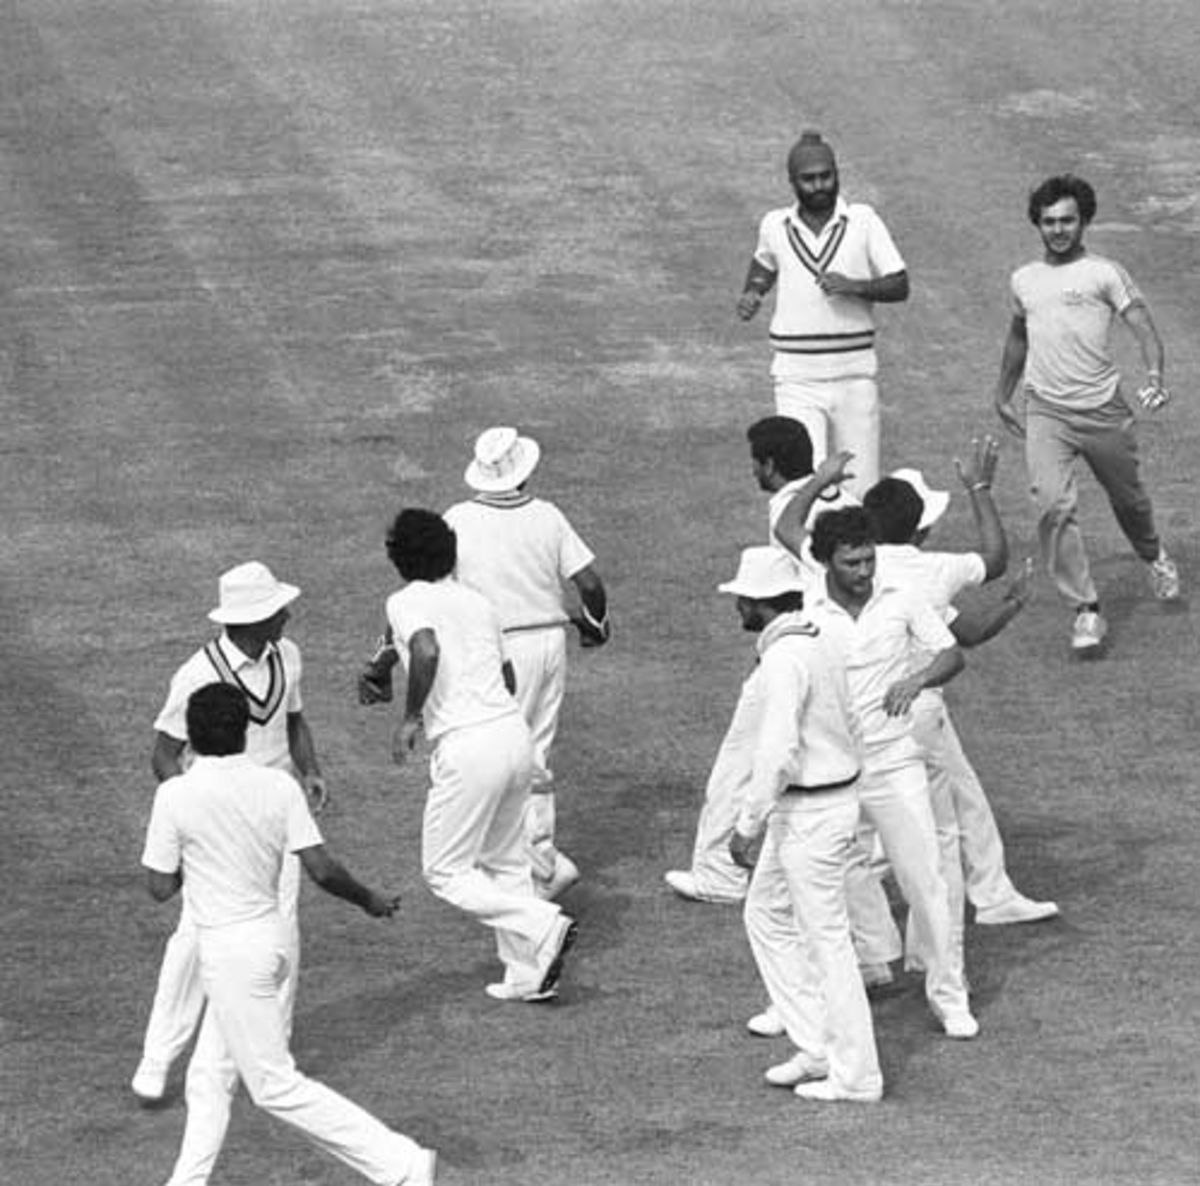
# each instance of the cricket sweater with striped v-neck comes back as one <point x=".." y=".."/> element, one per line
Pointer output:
<point x="815" y="336"/>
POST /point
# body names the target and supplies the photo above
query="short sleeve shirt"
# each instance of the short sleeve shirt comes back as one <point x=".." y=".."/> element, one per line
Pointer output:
<point x="517" y="554"/>
<point x="1068" y="311"/>
<point x="468" y="688"/>
<point x="272" y="686"/>
<point x="226" y="824"/>
<point x="882" y="645"/>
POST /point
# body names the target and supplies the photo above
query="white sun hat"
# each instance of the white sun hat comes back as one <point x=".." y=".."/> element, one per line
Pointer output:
<point x="763" y="573"/>
<point x="503" y="460"/>
<point x="936" y="501"/>
<point x="250" y="593"/>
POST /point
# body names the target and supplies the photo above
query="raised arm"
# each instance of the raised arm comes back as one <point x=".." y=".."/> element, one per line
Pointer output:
<point x="791" y="528"/>
<point x="977" y="474"/>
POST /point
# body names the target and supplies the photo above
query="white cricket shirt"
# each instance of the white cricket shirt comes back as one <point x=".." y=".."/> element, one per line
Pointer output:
<point x="272" y="686"/>
<point x="468" y="688"/>
<point x="517" y="551"/>
<point x="882" y="645"/>
<point x="227" y="823"/>
<point x="805" y="729"/>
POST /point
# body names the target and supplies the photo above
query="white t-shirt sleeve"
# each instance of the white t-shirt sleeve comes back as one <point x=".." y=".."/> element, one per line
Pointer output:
<point x="1119" y="288"/>
<point x="409" y="611"/>
<point x="293" y="665"/>
<point x="884" y="255"/>
<point x="927" y="626"/>
<point x="959" y="571"/>
<point x="163" y="850"/>
<point x="573" y="554"/>
<point x="302" y="830"/>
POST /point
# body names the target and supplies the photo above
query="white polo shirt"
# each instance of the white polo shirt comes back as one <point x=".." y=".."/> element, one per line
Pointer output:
<point x="227" y="823"/>
<point x="805" y="731"/>
<point x="828" y="500"/>
<point x="817" y="336"/>
<point x="882" y="645"/>
<point x="517" y="551"/>
<point x="1068" y="311"/>
<point x="272" y="686"/>
<point x="468" y="688"/>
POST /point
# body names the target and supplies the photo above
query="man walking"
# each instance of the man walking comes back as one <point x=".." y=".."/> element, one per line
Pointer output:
<point x="221" y="833"/>
<point x="801" y="797"/>
<point x="252" y="655"/>
<point x="781" y="457"/>
<point x="833" y="261"/>
<point x="519" y="551"/>
<point x="1076" y="407"/>
<point x="895" y="646"/>
<point x="459" y="692"/>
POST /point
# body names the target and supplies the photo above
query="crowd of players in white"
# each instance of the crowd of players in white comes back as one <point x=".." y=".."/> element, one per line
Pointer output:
<point x="841" y="760"/>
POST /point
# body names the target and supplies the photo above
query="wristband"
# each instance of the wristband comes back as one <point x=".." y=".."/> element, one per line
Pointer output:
<point x="980" y="486"/>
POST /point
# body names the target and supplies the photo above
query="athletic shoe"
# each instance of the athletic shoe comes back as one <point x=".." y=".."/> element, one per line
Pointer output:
<point x="425" y="1171"/>
<point x="1164" y="578"/>
<point x="683" y="882"/>
<point x="800" y="1068"/>
<point x="552" y="951"/>
<point x="960" y="1025"/>
<point x="565" y="875"/>
<point x="767" y="1024"/>
<point x="149" y="1081"/>
<point x="502" y="990"/>
<point x="1089" y="630"/>
<point x="1018" y="908"/>
<point x="825" y="1091"/>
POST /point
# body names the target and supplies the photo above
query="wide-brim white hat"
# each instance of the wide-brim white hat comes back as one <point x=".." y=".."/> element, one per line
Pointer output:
<point x="936" y="501"/>
<point x="763" y="573"/>
<point x="250" y="593"/>
<point x="503" y="460"/>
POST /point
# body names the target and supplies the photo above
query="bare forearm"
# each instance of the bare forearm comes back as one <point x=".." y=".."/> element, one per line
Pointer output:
<point x="302" y="747"/>
<point x="886" y="290"/>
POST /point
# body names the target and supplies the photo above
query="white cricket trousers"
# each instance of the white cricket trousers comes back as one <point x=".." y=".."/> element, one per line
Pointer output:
<point x="799" y="932"/>
<point x="893" y="793"/>
<point x="982" y="848"/>
<point x="839" y="414"/>
<point x="473" y="852"/>
<point x="179" y="995"/>
<point x="539" y="659"/>
<point x="245" y="1035"/>
<point x="717" y="874"/>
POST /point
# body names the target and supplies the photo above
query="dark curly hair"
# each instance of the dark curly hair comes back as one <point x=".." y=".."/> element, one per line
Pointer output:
<point x="896" y="509"/>
<point x="422" y="545"/>
<point x="217" y="716"/>
<point x="851" y="527"/>
<point x="785" y="442"/>
<point x="1054" y="189"/>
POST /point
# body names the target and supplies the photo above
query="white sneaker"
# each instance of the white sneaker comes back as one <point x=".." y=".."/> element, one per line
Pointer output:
<point x="565" y="875"/>
<point x="767" y="1024"/>
<point x="683" y="882"/>
<point x="800" y="1068"/>
<point x="149" y="1081"/>
<point x="1016" y="909"/>
<point x="823" y="1091"/>
<point x="1089" y="630"/>
<point x="1164" y="578"/>
<point x="502" y="990"/>
<point x="552" y="951"/>
<point x="961" y="1026"/>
